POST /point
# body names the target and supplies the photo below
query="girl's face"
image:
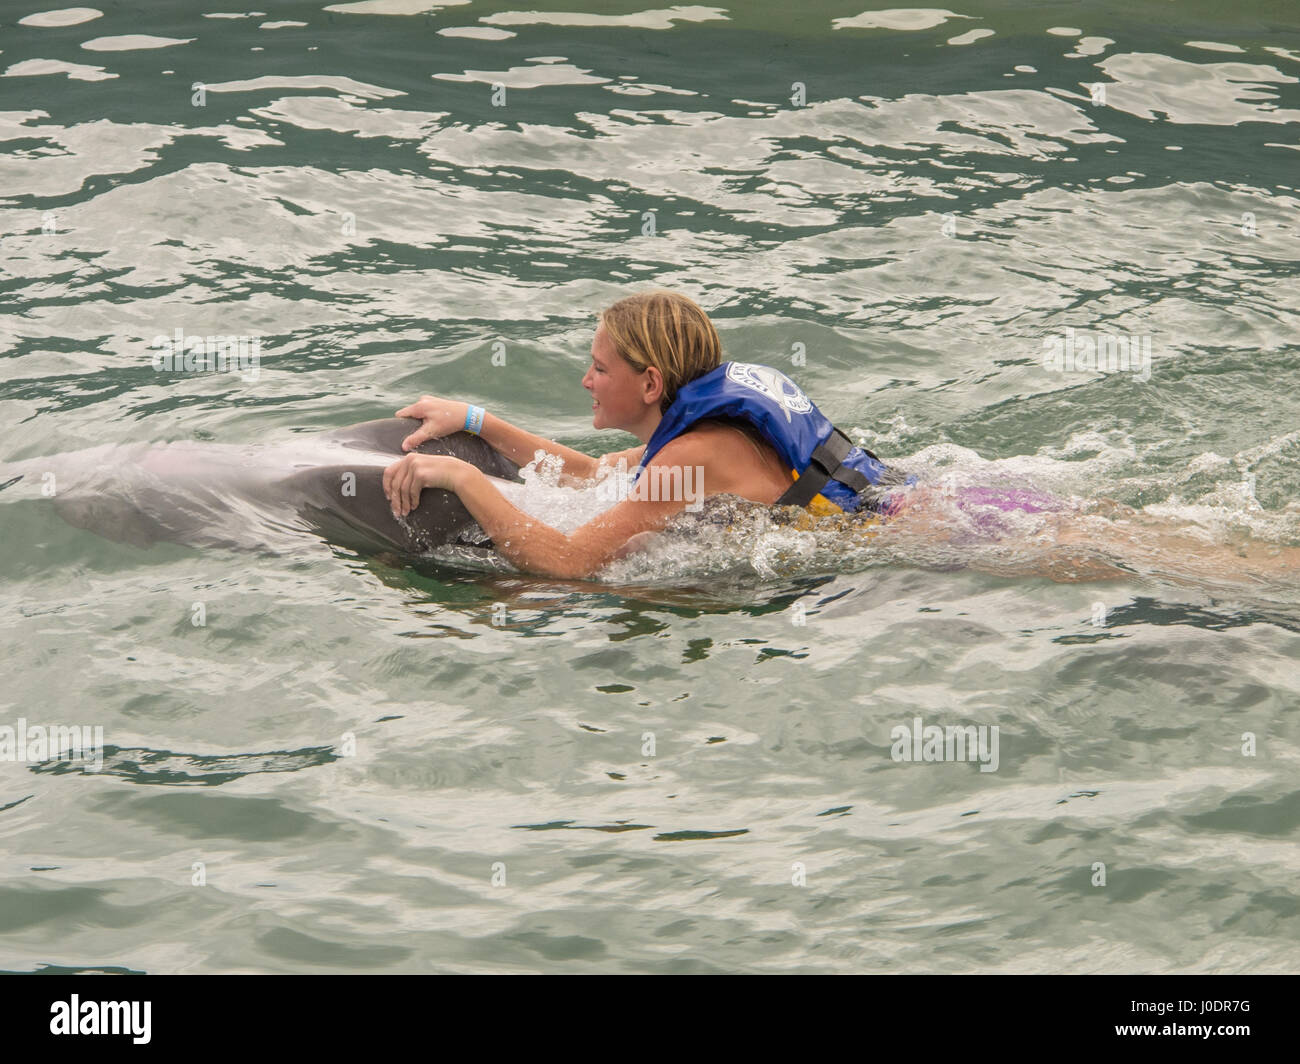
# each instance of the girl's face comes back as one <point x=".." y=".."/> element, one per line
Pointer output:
<point x="618" y="392"/>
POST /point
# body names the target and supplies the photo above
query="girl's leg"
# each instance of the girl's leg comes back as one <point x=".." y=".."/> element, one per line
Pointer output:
<point x="1152" y="543"/>
<point x="1109" y="544"/>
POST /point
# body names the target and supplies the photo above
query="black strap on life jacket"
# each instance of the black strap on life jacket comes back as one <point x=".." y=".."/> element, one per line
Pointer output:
<point x="827" y="463"/>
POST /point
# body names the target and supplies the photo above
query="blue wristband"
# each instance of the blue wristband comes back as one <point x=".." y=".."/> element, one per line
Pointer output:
<point x="474" y="416"/>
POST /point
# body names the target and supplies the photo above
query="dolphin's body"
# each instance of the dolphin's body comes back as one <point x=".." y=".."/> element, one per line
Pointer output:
<point x="261" y="496"/>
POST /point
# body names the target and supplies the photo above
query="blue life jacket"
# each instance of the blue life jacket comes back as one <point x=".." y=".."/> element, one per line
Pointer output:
<point x="831" y="472"/>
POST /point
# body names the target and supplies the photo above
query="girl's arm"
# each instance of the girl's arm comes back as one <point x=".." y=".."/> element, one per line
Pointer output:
<point x="632" y="456"/>
<point x="442" y="417"/>
<point x="538" y="548"/>
<point x="535" y="546"/>
<point x="521" y="446"/>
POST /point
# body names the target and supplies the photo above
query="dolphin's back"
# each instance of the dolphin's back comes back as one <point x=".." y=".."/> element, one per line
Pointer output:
<point x="254" y="496"/>
<point x="345" y="502"/>
<point x="385" y="436"/>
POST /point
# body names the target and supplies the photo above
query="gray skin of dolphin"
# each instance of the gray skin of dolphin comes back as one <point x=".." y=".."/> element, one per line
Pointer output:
<point x="365" y="520"/>
<point x="261" y="496"/>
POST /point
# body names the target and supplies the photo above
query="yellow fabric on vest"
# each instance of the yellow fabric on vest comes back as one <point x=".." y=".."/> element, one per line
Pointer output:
<point x="820" y="505"/>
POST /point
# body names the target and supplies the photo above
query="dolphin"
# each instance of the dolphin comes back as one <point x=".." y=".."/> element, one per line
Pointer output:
<point x="261" y="496"/>
<point x="365" y="520"/>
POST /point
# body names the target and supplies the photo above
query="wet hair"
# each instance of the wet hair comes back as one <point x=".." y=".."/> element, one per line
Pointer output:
<point x="666" y="330"/>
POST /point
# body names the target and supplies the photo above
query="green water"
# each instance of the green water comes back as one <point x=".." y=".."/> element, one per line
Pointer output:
<point x="388" y="765"/>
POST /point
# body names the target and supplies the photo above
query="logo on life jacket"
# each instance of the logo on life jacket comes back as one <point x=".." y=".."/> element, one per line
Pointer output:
<point x="772" y="383"/>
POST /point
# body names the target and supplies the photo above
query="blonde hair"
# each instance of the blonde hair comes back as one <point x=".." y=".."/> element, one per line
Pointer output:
<point x="666" y="330"/>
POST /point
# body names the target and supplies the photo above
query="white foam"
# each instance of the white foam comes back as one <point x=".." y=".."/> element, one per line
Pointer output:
<point x="44" y="67"/>
<point x="64" y="16"/>
<point x="132" y="42"/>
<point x="897" y="18"/>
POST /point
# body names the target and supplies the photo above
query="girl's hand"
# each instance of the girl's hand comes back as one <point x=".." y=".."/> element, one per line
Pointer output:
<point x="441" y="417"/>
<point x="407" y="477"/>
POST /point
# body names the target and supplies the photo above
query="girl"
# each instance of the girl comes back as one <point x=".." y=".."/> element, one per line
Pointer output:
<point x="646" y="350"/>
<point x="708" y="428"/>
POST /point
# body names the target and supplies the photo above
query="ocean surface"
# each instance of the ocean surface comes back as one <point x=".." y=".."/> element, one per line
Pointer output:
<point x="1050" y="246"/>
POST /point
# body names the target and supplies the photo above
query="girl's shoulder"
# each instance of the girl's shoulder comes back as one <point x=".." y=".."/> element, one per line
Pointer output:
<point x="740" y="460"/>
<point x="714" y="426"/>
<point x="726" y="428"/>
